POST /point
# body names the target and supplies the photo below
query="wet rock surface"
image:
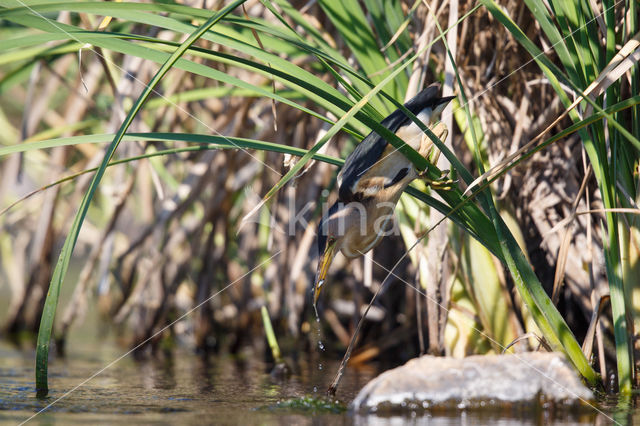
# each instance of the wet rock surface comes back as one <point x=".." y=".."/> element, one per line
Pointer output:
<point x="533" y="379"/>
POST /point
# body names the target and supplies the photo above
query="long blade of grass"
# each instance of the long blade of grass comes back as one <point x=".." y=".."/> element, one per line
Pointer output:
<point x="417" y="160"/>
<point x="554" y="74"/>
<point x="466" y="214"/>
<point x="545" y="314"/>
<point x="49" y="311"/>
<point x="278" y="40"/>
<point x="350" y="20"/>
<point x="217" y="141"/>
<point x="506" y="165"/>
<point x="622" y="62"/>
<point x="597" y="147"/>
<point x="325" y="61"/>
<point x="301" y="80"/>
<point x="226" y="144"/>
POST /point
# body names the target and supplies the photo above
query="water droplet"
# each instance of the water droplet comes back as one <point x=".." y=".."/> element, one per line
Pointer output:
<point x="315" y="389"/>
<point x="319" y="366"/>
<point x="321" y="345"/>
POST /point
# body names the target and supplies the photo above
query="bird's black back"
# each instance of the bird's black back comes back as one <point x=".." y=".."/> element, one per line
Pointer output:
<point x="369" y="151"/>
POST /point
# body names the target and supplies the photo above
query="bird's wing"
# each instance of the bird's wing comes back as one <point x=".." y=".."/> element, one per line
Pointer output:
<point x="366" y="154"/>
<point x="371" y="150"/>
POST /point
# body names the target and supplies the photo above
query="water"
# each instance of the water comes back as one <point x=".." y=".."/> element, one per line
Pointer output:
<point x="187" y="389"/>
<point x="181" y="389"/>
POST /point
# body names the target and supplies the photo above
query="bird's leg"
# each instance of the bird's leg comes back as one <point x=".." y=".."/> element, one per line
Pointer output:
<point x="427" y="148"/>
<point x="431" y="153"/>
<point x="442" y="183"/>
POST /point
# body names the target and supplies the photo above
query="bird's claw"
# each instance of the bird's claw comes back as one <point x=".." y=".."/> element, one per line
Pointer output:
<point x="441" y="183"/>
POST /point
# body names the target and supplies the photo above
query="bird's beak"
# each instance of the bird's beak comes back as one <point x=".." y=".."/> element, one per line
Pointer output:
<point x="323" y="268"/>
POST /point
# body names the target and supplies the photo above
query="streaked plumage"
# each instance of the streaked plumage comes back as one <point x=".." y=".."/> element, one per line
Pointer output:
<point x="371" y="181"/>
<point x="358" y="164"/>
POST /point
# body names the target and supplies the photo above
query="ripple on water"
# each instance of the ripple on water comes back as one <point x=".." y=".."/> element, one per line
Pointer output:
<point x="190" y="389"/>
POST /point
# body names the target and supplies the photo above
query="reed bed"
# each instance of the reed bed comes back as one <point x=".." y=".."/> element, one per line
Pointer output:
<point x="179" y="156"/>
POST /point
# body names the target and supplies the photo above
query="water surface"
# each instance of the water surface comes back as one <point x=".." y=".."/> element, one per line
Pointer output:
<point x="189" y="389"/>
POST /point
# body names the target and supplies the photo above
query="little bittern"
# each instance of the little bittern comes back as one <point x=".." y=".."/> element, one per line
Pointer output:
<point x="372" y="180"/>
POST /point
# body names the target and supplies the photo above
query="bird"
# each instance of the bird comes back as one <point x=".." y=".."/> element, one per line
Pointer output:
<point x="371" y="181"/>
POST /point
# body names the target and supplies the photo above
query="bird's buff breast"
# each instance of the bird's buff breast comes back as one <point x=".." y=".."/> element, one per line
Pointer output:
<point x="378" y="222"/>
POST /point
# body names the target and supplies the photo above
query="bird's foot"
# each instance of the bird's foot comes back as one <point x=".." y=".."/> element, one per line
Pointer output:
<point x="441" y="183"/>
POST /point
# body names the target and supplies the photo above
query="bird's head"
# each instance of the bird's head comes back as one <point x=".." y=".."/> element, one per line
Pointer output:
<point x="339" y="220"/>
<point x="427" y="105"/>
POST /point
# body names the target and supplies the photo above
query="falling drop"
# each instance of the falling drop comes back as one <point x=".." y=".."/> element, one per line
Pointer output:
<point x="315" y="389"/>
<point x="321" y="346"/>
